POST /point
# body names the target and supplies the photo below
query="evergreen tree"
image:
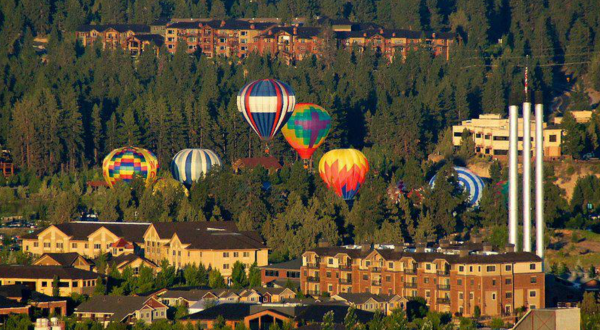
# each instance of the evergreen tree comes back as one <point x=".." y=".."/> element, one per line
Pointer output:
<point x="55" y="286"/>
<point x="238" y="275"/>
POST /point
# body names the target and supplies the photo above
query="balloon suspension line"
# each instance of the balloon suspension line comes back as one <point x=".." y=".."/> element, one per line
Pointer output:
<point x="267" y="150"/>
<point x="305" y="161"/>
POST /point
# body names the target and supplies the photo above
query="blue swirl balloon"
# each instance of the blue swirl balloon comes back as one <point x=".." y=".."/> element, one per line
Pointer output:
<point x="469" y="181"/>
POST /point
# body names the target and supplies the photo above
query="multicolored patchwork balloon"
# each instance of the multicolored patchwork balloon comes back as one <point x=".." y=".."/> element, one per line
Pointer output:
<point x="266" y="105"/>
<point x="344" y="171"/>
<point x="123" y="164"/>
<point x="469" y="181"/>
<point x="189" y="165"/>
<point x="307" y="128"/>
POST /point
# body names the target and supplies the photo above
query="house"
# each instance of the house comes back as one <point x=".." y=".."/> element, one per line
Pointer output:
<point x="372" y="302"/>
<point x="88" y="239"/>
<point x="70" y="259"/>
<point x="279" y="274"/>
<point x="133" y="261"/>
<point x="216" y="245"/>
<point x="255" y="316"/>
<point x="269" y="163"/>
<point x="110" y="35"/>
<point x="125" y="309"/>
<point x="23" y="294"/>
<point x="8" y="306"/>
<point x="40" y="278"/>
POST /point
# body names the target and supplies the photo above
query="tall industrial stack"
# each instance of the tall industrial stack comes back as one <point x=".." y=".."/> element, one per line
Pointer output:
<point x="513" y="176"/>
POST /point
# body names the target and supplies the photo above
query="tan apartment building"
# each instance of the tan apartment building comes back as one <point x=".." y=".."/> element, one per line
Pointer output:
<point x="581" y="116"/>
<point x="40" y="278"/>
<point x="490" y="133"/>
<point x="451" y="282"/>
<point x="88" y="239"/>
<point x="216" y="245"/>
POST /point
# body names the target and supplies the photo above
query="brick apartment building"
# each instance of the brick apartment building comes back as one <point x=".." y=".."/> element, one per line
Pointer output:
<point x="451" y="278"/>
<point x="240" y="37"/>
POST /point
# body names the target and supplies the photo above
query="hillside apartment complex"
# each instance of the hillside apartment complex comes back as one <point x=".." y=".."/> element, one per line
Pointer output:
<point x="451" y="278"/>
<point x="240" y="37"/>
<point x="217" y="245"/>
<point x="490" y="133"/>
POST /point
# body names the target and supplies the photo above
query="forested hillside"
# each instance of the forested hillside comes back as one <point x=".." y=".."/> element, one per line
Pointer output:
<point x="59" y="117"/>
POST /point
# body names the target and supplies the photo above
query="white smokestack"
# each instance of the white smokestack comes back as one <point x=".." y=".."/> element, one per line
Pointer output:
<point x="539" y="176"/>
<point x="527" y="175"/>
<point x="513" y="177"/>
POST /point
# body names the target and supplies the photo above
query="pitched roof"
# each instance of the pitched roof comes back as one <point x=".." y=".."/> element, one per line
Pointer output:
<point x="138" y="28"/>
<point x="46" y="272"/>
<point x="23" y="292"/>
<point x="190" y="294"/>
<point x="220" y="241"/>
<point x="292" y="264"/>
<point x="165" y="230"/>
<point x="360" y="298"/>
<point x="7" y="303"/>
<point x="130" y="231"/>
<point x="316" y="313"/>
<point x="301" y="31"/>
<point x="184" y="25"/>
<point x="394" y="33"/>
<point x="119" y="306"/>
<point x="63" y="259"/>
<point x="234" y="24"/>
<point x="228" y="311"/>
<point x="157" y="39"/>
<point x="125" y="259"/>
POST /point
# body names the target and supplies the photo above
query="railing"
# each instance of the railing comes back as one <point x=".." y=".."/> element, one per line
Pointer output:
<point x="313" y="279"/>
<point x="376" y="269"/>
<point x="376" y="283"/>
<point x="445" y="287"/>
<point x="345" y="281"/>
<point x="411" y="271"/>
<point x="345" y="268"/>
<point x="443" y="272"/>
<point x="443" y="301"/>
<point x="312" y="265"/>
<point x="410" y="285"/>
<point x="313" y="292"/>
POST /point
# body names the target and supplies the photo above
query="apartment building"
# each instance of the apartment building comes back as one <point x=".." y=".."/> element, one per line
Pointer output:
<point x="451" y="279"/>
<point x="490" y="133"/>
<point x="88" y="239"/>
<point x="124" y="309"/>
<point x="40" y="278"/>
<point x="216" y="245"/>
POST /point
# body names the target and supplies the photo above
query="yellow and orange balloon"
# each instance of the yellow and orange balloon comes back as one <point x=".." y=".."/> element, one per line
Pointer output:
<point x="344" y="171"/>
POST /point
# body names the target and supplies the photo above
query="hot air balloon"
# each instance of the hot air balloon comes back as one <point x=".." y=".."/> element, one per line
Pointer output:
<point x="123" y="164"/>
<point x="189" y="165"/>
<point x="266" y="105"/>
<point x="307" y="129"/>
<point x="344" y="171"/>
<point x="469" y="181"/>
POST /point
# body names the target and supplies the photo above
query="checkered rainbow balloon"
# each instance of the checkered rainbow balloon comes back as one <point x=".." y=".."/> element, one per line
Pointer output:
<point x="307" y="128"/>
<point x="124" y="164"/>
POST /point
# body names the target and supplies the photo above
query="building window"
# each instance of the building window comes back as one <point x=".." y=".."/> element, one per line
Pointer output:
<point x="44" y="284"/>
<point x="533" y="280"/>
<point x="552" y="138"/>
<point x="494" y="296"/>
<point x="225" y="266"/>
<point x="236" y="254"/>
<point x="491" y="269"/>
<point x="330" y="261"/>
<point x="391" y="265"/>
<point x="508" y="268"/>
<point x="428" y="266"/>
<point x="225" y="254"/>
<point x="493" y="282"/>
<point x="173" y="252"/>
<point x="508" y="281"/>
<point x="59" y="245"/>
<point x="471" y="295"/>
<point x="36" y="244"/>
<point x="97" y="246"/>
<point x="328" y="274"/>
<point x="74" y="245"/>
<point x="244" y="33"/>
<point x="532" y="294"/>
<point x="509" y="295"/>
<point x="459" y="282"/>
<point x="86" y="245"/>
<point x="427" y="294"/>
<point x="47" y="245"/>
<point x="365" y="277"/>
<point x="246" y="254"/>
<point x="330" y="287"/>
<point x="426" y="280"/>
<point x="461" y="295"/>
<point x="532" y="266"/>
<point x="388" y="278"/>
<point x="272" y="273"/>
<point x="291" y="274"/>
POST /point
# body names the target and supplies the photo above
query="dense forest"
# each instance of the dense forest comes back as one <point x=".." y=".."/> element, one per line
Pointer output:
<point x="62" y="112"/>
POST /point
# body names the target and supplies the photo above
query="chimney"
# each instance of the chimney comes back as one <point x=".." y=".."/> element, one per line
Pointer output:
<point x="463" y="252"/>
<point x="323" y="243"/>
<point x="509" y="248"/>
<point x="527" y="174"/>
<point x="513" y="184"/>
<point x="222" y="23"/>
<point x="539" y="175"/>
<point x="487" y="247"/>
<point x="295" y="30"/>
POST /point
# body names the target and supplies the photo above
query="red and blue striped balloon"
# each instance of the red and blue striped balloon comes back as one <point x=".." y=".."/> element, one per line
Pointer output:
<point x="266" y="105"/>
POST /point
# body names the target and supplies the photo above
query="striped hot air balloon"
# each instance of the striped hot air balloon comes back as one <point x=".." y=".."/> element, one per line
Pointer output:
<point x="344" y="171"/>
<point x="307" y="128"/>
<point x="123" y="164"/>
<point x="266" y="105"/>
<point x="469" y="181"/>
<point x="189" y="165"/>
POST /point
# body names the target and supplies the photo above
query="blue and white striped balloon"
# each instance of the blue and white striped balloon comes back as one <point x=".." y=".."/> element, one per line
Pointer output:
<point x="189" y="165"/>
<point x="266" y="105"/>
<point x="469" y="181"/>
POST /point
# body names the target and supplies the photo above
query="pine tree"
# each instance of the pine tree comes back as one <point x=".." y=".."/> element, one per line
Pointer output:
<point x="238" y="275"/>
<point x="254" y="276"/>
<point x="216" y="280"/>
<point x="55" y="286"/>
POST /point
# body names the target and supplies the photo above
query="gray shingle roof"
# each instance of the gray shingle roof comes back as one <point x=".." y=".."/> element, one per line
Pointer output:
<point x="119" y="306"/>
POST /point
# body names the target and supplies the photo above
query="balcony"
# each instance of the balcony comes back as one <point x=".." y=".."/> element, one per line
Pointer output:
<point x="443" y="272"/>
<point x="376" y="283"/>
<point x="376" y="269"/>
<point x="312" y="265"/>
<point x="443" y="301"/>
<point x="345" y="268"/>
<point x="314" y="279"/>
<point x="313" y="293"/>
<point x="444" y="287"/>
<point x="345" y="281"/>
<point x="410" y="285"/>
<point x="411" y="271"/>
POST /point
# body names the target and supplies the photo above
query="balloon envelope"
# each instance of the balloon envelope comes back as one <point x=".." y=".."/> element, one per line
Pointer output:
<point x="189" y="165"/>
<point x="469" y="181"/>
<point x="123" y="164"/>
<point x="266" y="105"/>
<point x="344" y="171"/>
<point x="307" y="128"/>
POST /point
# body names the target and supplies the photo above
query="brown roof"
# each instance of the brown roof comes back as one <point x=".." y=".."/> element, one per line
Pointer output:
<point x="292" y="264"/>
<point x="63" y="259"/>
<point x="191" y="295"/>
<point x="360" y="298"/>
<point x="119" y="306"/>
<point x="45" y="272"/>
<point x="125" y="259"/>
<point x="165" y="230"/>
<point x="266" y="162"/>
<point x="131" y="231"/>
<point x="220" y="240"/>
<point x="391" y="254"/>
